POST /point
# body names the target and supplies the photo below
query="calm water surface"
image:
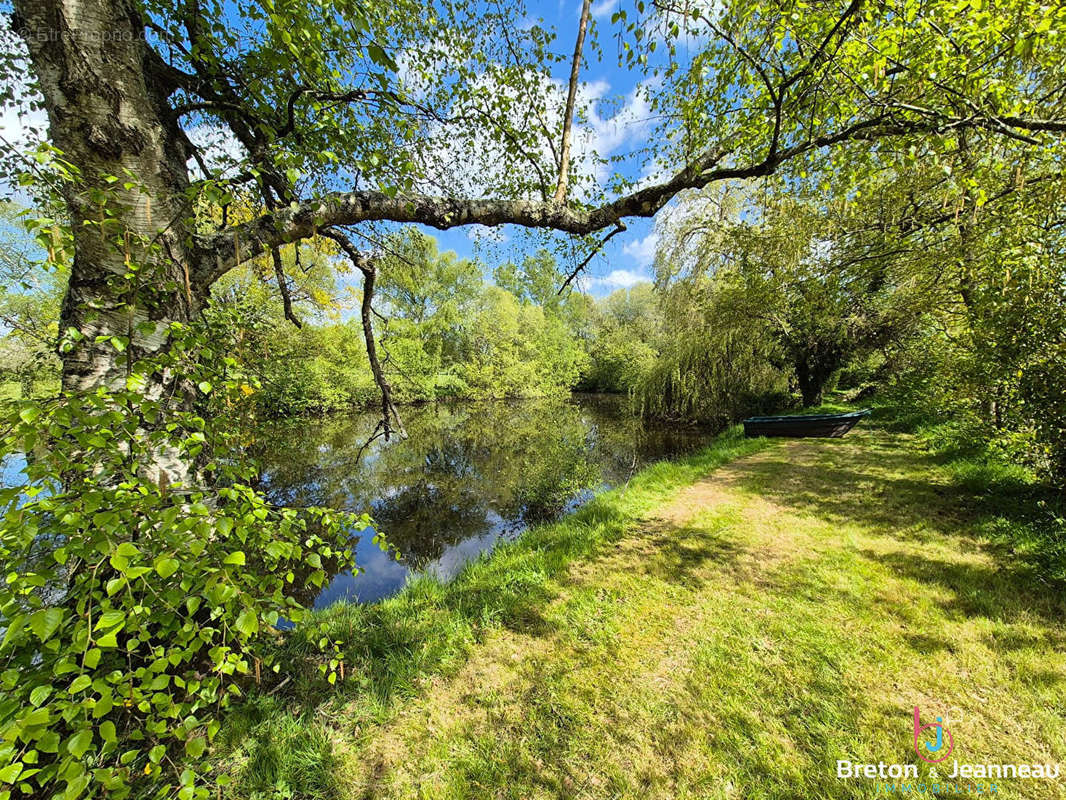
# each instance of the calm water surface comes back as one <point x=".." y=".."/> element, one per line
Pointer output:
<point x="467" y="476"/>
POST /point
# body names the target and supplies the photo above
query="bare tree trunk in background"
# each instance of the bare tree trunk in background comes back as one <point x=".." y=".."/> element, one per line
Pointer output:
<point x="571" y="97"/>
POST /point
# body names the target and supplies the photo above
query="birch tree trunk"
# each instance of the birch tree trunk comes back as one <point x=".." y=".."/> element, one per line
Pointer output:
<point x="107" y="109"/>
<point x="110" y="120"/>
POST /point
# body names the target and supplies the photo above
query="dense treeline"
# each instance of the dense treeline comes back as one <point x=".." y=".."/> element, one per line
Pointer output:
<point x="448" y="329"/>
<point x="942" y="291"/>
<point x="952" y="309"/>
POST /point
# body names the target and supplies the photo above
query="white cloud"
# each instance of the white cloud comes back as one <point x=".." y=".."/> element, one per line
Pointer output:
<point x="597" y="137"/>
<point x="474" y="160"/>
<point x="604" y="8"/>
<point x="22" y="129"/>
<point x="643" y="250"/>
<point x="218" y="145"/>
<point x="619" y="279"/>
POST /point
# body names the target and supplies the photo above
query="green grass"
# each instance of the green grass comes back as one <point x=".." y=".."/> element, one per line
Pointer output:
<point x="1019" y="513"/>
<point x="393" y="648"/>
<point x="695" y="637"/>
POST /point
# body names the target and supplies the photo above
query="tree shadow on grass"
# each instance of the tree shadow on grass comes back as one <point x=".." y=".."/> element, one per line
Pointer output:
<point x="680" y="554"/>
<point x="889" y="488"/>
<point x="887" y="484"/>
<point x="852" y="482"/>
<point x="392" y="648"/>
<point x="978" y="590"/>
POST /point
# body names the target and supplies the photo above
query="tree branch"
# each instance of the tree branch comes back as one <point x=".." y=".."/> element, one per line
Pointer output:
<point x="366" y="265"/>
<point x="304" y="219"/>
<point x="620" y="226"/>
<point x="283" y="287"/>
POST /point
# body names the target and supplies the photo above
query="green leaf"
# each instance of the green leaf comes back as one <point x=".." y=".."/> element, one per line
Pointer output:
<point x="45" y="622"/>
<point x="127" y="550"/>
<point x="79" y="743"/>
<point x="40" y="694"/>
<point x="380" y="57"/>
<point x="13" y="629"/>
<point x="236" y="558"/>
<point x="108" y="640"/>
<point x="79" y="683"/>
<point x="166" y="566"/>
<point x="110" y="619"/>
<point x="248" y="622"/>
<point x="92" y="658"/>
<point x="107" y="731"/>
<point x="196" y="746"/>
<point x="39" y="716"/>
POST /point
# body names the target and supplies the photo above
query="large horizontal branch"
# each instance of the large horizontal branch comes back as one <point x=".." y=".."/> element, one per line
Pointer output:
<point x="303" y="220"/>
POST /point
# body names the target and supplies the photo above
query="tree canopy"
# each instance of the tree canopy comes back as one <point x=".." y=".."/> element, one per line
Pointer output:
<point x="860" y="192"/>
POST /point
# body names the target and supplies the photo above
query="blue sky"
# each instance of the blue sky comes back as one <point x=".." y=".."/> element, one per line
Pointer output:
<point x="627" y="258"/>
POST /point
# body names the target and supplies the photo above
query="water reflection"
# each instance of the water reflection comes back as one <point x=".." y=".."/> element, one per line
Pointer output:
<point x="468" y="475"/>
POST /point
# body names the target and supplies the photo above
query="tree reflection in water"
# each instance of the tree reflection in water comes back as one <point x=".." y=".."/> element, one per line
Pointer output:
<point x="468" y="475"/>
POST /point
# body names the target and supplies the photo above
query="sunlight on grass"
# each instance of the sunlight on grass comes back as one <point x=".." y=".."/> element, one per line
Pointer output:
<point x="690" y="638"/>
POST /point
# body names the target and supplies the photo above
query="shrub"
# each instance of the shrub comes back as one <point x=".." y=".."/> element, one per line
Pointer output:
<point x="135" y="609"/>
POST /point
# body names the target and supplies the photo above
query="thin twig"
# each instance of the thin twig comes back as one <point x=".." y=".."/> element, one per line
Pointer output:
<point x="619" y="227"/>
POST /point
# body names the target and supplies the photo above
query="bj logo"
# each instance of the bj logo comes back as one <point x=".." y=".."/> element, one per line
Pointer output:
<point x="931" y="747"/>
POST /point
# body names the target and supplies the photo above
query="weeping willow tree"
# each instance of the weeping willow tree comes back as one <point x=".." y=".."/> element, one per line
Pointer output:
<point x="715" y="366"/>
<point x="937" y="277"/>
<point x="762" y="301"/>
<point x="716" y="361"/>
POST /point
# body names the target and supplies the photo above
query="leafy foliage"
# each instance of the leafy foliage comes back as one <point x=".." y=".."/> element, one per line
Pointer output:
<point x="622" y="334"/>
<point x="444" y="333"/>
<point x="29" y="308"/>
<point x="136" y="611"/>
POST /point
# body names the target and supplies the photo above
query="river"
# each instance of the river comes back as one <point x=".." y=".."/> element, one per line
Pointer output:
<point x="468" y="476"/>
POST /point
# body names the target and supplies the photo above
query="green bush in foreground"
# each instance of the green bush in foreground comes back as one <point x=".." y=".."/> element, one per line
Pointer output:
<point x="135" y="611"/>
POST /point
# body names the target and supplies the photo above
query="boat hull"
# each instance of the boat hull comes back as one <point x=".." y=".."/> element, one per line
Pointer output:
<point x="825" y="426"/>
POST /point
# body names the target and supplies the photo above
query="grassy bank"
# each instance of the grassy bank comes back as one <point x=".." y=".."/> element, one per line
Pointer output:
<point x="707" y="631"/>
<point x="393" y="649"/>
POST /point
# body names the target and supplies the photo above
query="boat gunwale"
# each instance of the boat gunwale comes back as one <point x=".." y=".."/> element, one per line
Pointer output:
<point x="800" y="418"/>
